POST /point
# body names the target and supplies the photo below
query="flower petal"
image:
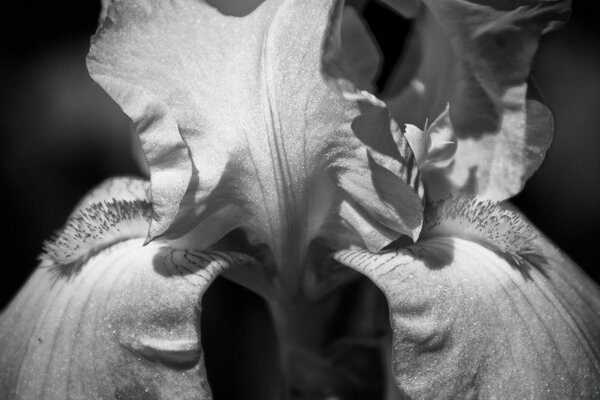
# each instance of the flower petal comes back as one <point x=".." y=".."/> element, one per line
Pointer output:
<point x="477" y="56"/>
<point x="250" y="122"/>
<point x="105" y="316"/>
<point x="472" y="321"/>
<point x="123" y="326"/>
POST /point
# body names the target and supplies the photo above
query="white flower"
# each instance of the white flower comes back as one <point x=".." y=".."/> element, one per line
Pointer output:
<point x="269" y="159"/>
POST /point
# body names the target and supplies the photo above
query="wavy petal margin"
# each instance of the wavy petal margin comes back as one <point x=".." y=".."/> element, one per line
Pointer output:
<point x="477" y="56"/>
<point x="248" y="122"/>
<point x="473" y="321"/>
<point x="122" y="322"/>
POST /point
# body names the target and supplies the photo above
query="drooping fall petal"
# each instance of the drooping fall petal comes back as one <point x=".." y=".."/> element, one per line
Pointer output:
<point x="477" y="56"/>
<point x="485" y="307"/>
<point x="123" y="326"/>
<point x="249" y="122"/>
<point x="105" y="317"/>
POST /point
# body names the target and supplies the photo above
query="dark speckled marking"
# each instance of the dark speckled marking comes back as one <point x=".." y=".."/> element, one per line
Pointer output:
<point x="95" y="227"/>
<point x="484" y="220"/>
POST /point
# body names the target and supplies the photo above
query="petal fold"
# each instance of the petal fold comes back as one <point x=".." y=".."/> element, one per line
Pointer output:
<point x="470" y="320"/>
<point x="105" y="317"/>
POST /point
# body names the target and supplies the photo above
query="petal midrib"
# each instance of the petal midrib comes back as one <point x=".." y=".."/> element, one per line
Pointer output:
<point x="290" y="173"/>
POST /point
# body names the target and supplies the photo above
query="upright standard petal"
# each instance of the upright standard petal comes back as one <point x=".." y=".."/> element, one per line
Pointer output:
<point x="487" y="308"/>
<point x="477" y="56"/>
<point x="249" y="122"/>
<point x="106" y="320"/>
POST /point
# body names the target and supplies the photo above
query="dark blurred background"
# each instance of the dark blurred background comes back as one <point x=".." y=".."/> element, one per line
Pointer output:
<point x="60" y="134"/>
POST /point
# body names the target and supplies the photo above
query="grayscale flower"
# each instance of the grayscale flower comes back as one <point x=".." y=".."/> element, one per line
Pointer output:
<point x="274" y="163"/>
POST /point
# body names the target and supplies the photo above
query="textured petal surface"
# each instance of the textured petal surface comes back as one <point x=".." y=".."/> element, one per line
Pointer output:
<point x="477" y="55"/>
<point x="125" y="325"/>
<point x="122" y="188"/>
<point x="472" y="321"/>
<point x="105" y="317"/>
<point x="249" y="122"/>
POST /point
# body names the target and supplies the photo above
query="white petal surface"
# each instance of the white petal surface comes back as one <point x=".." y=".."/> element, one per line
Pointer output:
<point x="123" y="326"/>
<point x="105" y="317"/>
<point x="243" y="128"/>
<point x="470" y="322"/>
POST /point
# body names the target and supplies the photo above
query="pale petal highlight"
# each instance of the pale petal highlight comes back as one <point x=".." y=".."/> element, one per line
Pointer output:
<point x="469" y="324"/>
<point x="252" y="122"/>
<point x="124" y="325"/>
<point x="104" y="316"/>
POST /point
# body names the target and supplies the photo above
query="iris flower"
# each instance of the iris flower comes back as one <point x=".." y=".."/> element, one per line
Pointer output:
<point x="273" y="163"/>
